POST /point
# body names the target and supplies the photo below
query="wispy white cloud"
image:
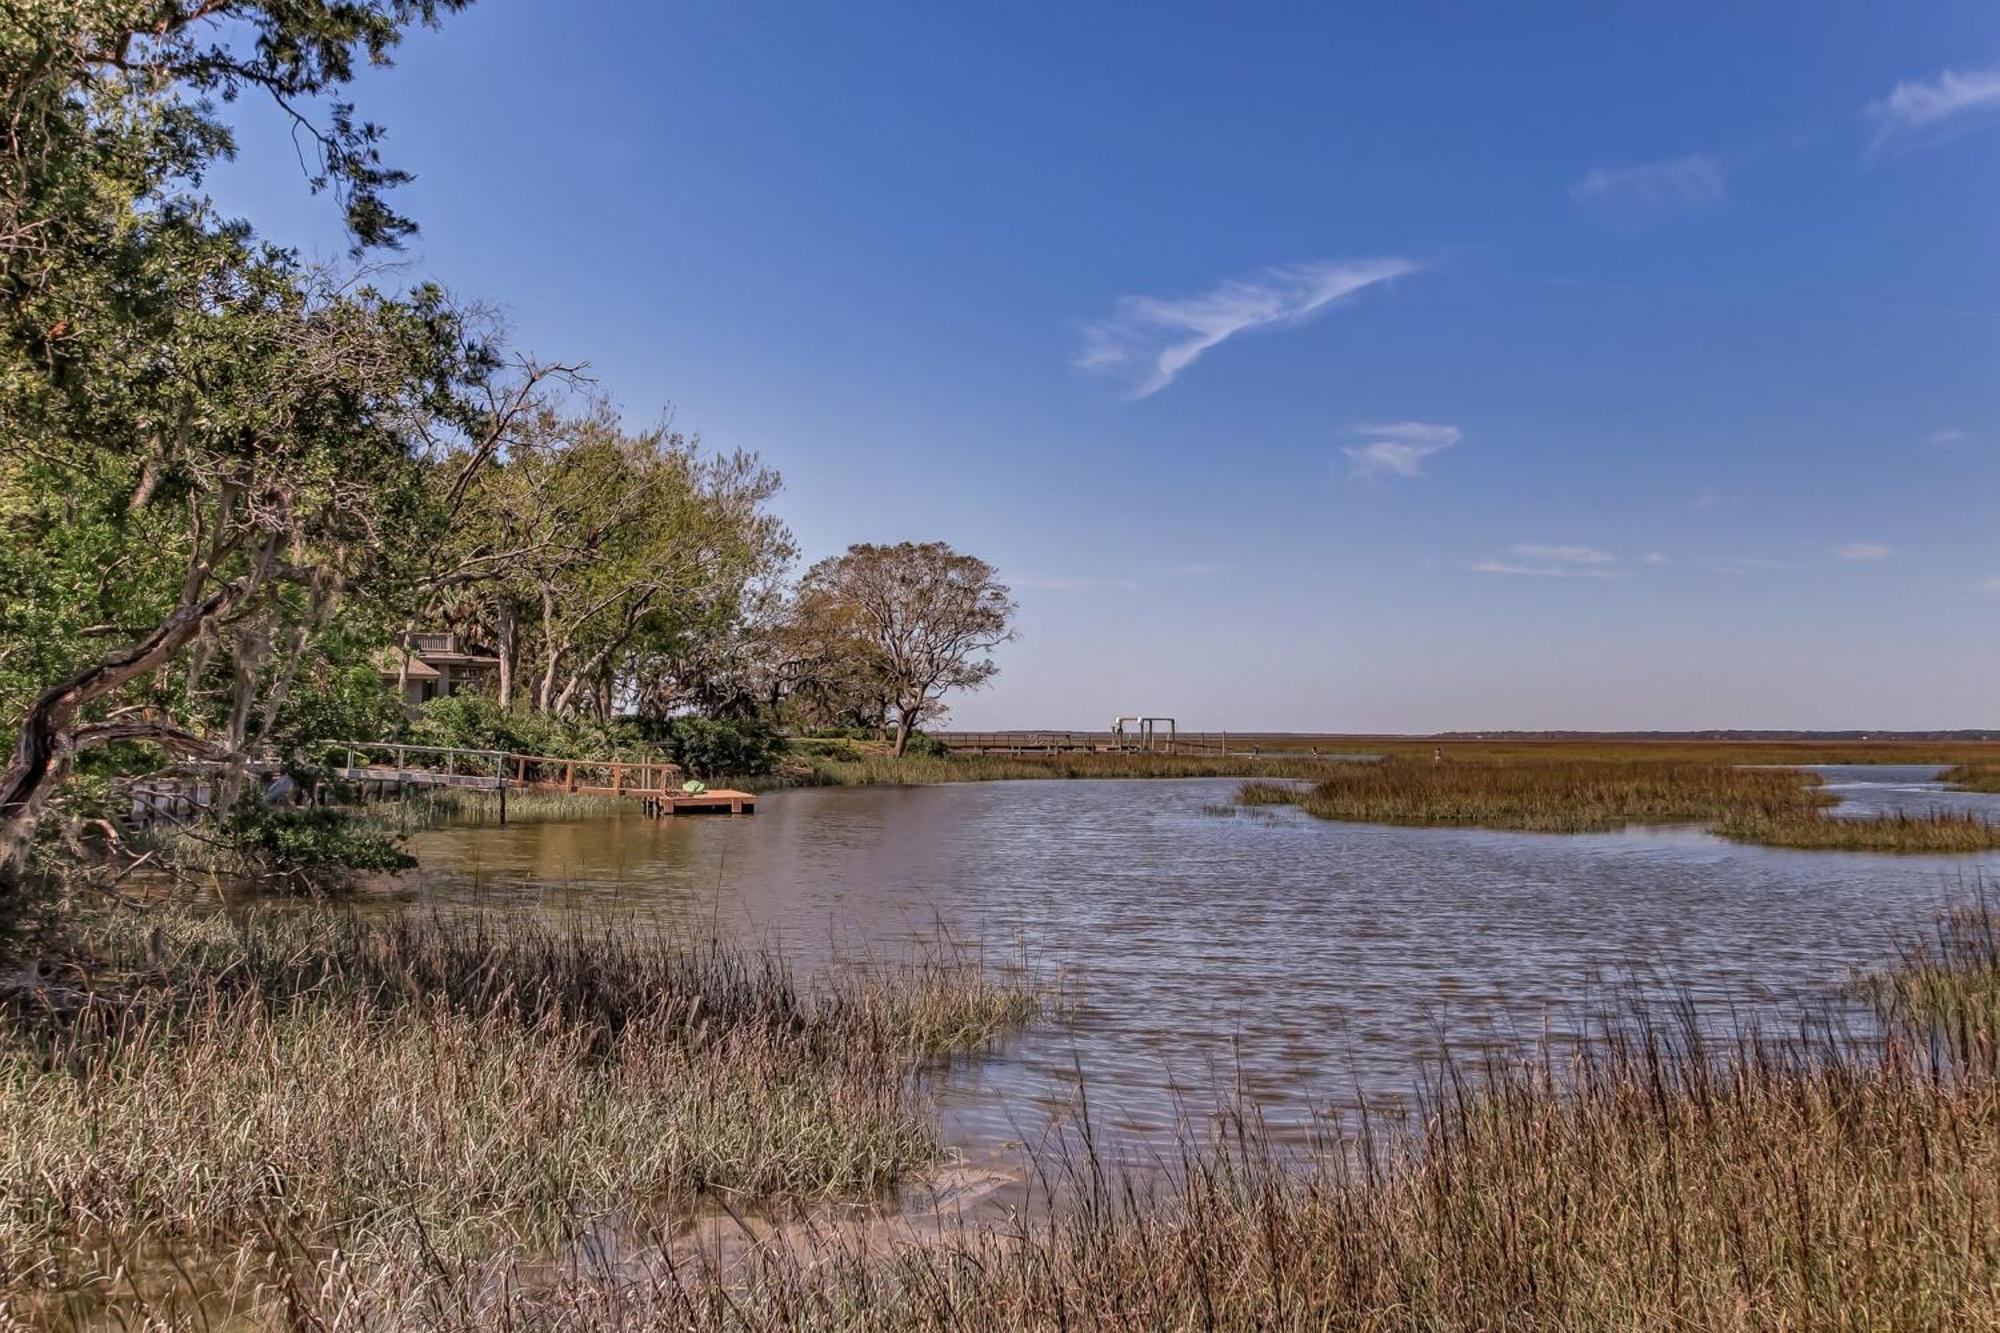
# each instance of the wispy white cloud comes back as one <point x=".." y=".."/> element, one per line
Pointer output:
<point x="1640" y="194"/>
<point x="1564" y="555"/>
<point x="1865" y="551"/>
<point x="1189" y="571"/>
<point x="1540" y="571"/>
<point x="1945" y="439"/>
<point x="1542" y="560"/>
<point x="1917" y="114"/>
<point x="1149" y="340"/>
<point x="1398" y="448"/>
<point x="1654" y="558"/>
<point x="1710" y="498"/>
<point x="1738" y="565"/>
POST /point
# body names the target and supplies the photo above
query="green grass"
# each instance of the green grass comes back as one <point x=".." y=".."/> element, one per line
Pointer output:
<point x="455" y="1084"/>
<point x="482" y="808"/>
<point x="1655" y="1179"/>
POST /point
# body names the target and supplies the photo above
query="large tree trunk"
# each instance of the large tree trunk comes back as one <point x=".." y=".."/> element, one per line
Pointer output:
<point x="504" y="633"/>
<point x="43" y="747"/>
<point x="556" y="649"/>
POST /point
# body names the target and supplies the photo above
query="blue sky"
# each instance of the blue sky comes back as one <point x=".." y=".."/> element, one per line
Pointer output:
<point x="1389" y="367"/>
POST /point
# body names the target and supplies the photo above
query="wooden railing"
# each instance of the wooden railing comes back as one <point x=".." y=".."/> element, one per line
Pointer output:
<point x="501" y="770"/>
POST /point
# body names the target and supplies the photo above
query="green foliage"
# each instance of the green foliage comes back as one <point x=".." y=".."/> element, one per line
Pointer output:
<point x="337" y="703"/>
<point x="310" y="847"/>
<point x="471" y="721"/>
<point x="704" y="747"/>
<point x="707" y="748"/>
<point x="208" y="442"/>
<point x="881" y="628"/>
<point x="921" y="745"/>
<point x="477" y="722"/>
<point x="832" y="749"/>
<point x="620" y="564"/>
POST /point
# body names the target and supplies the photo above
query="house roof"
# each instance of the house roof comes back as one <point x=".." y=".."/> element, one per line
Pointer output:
<point x="390" y="663"/>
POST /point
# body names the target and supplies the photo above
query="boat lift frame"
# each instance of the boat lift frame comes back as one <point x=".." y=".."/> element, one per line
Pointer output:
<point x="1142" y="733"/>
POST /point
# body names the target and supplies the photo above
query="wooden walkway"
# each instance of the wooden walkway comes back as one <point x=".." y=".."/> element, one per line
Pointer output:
<point x="656" y="785"/>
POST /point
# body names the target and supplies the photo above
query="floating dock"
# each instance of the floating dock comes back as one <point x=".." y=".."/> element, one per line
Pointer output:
<point x="720" y="801"/>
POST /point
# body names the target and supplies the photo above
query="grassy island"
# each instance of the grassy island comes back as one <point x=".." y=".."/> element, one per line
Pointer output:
<point x="1777" y="807"/>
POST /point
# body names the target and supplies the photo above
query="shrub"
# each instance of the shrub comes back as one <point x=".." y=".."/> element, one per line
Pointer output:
<point x="313" y="847"/>
<point x="475" y="722"/>
<point x="349" y="704"/>
<point x="833" y="749"/>
<point x="923" y="746"/>
<point x="842" y="733"/>
<point x="705" y="747"/>
<point x="708" y="748"/>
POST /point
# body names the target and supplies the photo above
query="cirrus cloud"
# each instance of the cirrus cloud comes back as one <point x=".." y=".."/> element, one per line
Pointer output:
<point x="1639" y="194"/>
<point x="1546" y="560"/>
<point x="1150" y="340"/>
<point x="1398" y="448"/>
<point x="1917" y="114"/>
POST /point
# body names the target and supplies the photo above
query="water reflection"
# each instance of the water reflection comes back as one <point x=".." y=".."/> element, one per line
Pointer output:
<point x="1298" y="960"/>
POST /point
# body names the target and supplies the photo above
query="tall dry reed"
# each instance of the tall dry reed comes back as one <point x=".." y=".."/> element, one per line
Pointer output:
<point x="1656" y="1178"/>
<point x="462" y="1083"/>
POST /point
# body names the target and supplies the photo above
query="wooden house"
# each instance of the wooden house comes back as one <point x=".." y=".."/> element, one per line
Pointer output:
<point x="439" y="665"/>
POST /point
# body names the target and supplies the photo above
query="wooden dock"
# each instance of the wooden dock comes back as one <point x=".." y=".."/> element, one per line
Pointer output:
<point x="715" y="801"/>
<point x="655" y="784"/>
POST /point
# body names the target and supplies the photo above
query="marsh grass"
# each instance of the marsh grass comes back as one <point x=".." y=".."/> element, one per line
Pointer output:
<point x="1659" y="1177"/>
<point x="1555" y="796"/>
<point x="1775" y="807"/>
<point x="451" y="1084"/>
<point x="1983" y="777"/>
<point x="1935" y="831"/>
<point x="1948" y="986"/>
<point x="1794" y="752"/>
<point x="1268" y="793"/>
<point x="1521" y="748"/>
<point x="481" y="809"/>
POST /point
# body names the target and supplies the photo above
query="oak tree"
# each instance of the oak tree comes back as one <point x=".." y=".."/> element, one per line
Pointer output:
<point x="919" y="619"/>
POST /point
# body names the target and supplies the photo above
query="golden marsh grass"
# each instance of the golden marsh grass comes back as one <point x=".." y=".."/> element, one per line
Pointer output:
<point x="1775" y="807"/>
<point x="456" y="1083"/>
<point x="1658" y="1178"/>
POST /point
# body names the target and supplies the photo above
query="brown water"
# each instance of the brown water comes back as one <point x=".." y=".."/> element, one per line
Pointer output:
<point x="1302" y="961"/>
